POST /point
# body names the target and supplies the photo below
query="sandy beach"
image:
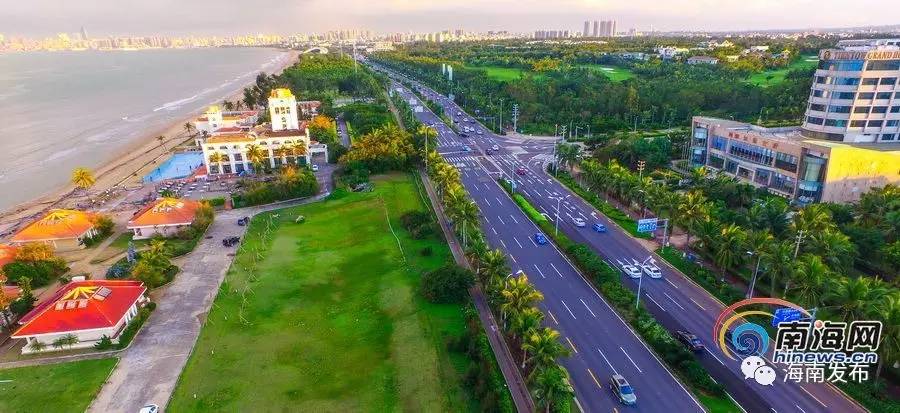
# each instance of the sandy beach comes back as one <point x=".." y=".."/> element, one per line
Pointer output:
<point x="125" y="168"/>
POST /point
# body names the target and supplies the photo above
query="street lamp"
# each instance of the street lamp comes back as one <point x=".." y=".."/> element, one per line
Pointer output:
<point x="637" y="300"/>
<point x="558" y="202"/>
<point x="755" y="273"/>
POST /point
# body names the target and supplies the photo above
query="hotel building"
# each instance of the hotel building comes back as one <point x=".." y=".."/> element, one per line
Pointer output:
<point x="284" y="141"/>
<point x="847" y="144"/>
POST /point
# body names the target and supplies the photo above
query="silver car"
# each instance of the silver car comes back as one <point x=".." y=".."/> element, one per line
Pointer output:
<point x="579" y="222"/>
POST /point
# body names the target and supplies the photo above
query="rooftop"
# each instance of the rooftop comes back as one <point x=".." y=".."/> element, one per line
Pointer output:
<point x="231" y="138"/>
<point x="281" y="93"/>
<point x="868" y="44"/>
<point x="82" y="305"/>
<point x="57" y="224"/>
<point x="165" y="211"/>
<point x="7" y="255"/>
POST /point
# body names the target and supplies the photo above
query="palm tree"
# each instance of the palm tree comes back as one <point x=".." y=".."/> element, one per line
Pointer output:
<point x="730" y="248"/>
<point x="856" y="298"/>
<point x="428" y="133"/>
<point x="834" y="247"/>
<point x="83" y="178"/>
<point x="813" y="219"/>
<point x="466" y="219"/>
<point x="518" y="294"/>
<point x="542" y="347"/>
<point x="811" y="278"/>
<point x="567" y="154"/>
<point x="189" y="128"/>
<point x="298" y="150"/>
<point x="256" y="155"/>
<point x="698" y="175"/>
<point x="216" y="158"/>
<point x="477" y="249"/>
<point x="160" y="139"/>
<point x="779" y="261"/>
<point x="550" y="385"/>
<point x="525" y="321"/>
<point x="495" y="268"/>
<point x="889" y="314"/>
<point x="692" y="210"/>
<point x="759" y="244"/>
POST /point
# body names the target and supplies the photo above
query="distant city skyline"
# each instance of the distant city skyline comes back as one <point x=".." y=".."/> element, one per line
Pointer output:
<point x="222" y="17"/>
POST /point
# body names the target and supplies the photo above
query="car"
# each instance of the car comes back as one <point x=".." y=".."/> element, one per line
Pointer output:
<point x="622" y="390"/>
<point x="488" y="151"/>
<point x="689" y="340"/>
<point x="652" y="270"/>
<point x="579" y="222"/>
<point x="480" y="132"/>
<point x="458" y="113"/>
<point x="315" y="168"/>
<point x="631" y="270"/>
<point x="230" y="241"/>
<point x="599" y="227"/>
<point x="463" y="135"/>
<point x="243" y="221"/>
<point x="495" y="148"/>
<point x="467" y="148"/>
<point x="540" y="238"/>
<point x="150" y="408"/>
<point x="520" y="170"/>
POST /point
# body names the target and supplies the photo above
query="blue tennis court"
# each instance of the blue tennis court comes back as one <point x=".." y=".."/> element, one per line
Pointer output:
<point x="180" y="165"/>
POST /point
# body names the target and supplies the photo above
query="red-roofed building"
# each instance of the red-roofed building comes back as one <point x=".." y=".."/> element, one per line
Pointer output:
<point x="165" y="216"/>
<point x="63" y="229"/>
<point x="7" y="255"/>
<point x="88" y="310"/>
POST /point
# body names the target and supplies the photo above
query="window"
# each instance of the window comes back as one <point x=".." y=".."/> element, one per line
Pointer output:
<point x="875" y="123"/>
<point x="844" y="81"/>
<point x="857" y="124"/>
<point x="840" y="123"/>
<point x="891" y="123"/>
<point x="814" y="120"/>
<point x="888" y="136"/>
<point x="844" y="95"/>
<point x="861" y="109"/>
<point x="821" y="79"/>
<point x="888" y="81"/>
<point x="719" y="143"/>
<point x="855" y="65"/>
<point x="700" y="133"/>
<point x="839" y="109"/>
<point x="817" y="93"/>
<point x="786" y="162"/>
<point x="883" y="95"/>
<point x="869" y="81"/>
<point x="879" y="109"/>
<point x="883" y="65"/>
<point x="895" y="109"/>
<point x="866" y="95"/>
<point x="755" y="153"/>
<point x="817" y="106"/>
<point x="896" y="95"/>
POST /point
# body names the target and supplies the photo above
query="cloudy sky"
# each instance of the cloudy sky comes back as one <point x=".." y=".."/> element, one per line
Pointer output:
<point x="179" y="17"/>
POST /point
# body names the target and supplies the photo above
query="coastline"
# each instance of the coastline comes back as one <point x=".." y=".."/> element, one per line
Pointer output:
<point x="126" y="167"/>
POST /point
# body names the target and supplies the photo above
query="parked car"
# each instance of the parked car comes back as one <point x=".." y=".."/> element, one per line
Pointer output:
<point x="540" y="238"/>
<point x="622" y="390"/>
<point x="689" y="340"/>
<point x="480" y="132"/>
<point x="579" y="222"/>
<point x="631" y="270"/>
<point x="652" y="270"/>
<point x="520" y="170"/>
<point x="150" y="408"/>
<point x="315" y="168"/>
<point x="231" y="241"/>
<point x="243" y="221"/>
<point x="495" y="148"/>
<point x="599" y="227"/>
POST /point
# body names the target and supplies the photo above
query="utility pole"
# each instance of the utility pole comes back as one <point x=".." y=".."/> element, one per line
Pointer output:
<point x="640" y="169"/>
<point x="501" y="116"/>
<point x="800" y="237"/>
<point x="515" y="116"/>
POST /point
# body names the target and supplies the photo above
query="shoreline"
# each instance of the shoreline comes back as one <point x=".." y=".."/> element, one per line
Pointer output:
<point x="125" y="167"/>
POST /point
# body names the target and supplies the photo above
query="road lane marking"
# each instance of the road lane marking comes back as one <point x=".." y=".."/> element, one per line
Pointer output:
<point x="572" y="345"/>
<point x="567" y="309"/>
<point x="514" y="218"/>
<point x="501" y="220"/>
<point x="499" y="202"/>
<point x="597" y="382"/>
<point x="673" y="300"/>
<point x="525" y="192"/>
<point x="654" y="302"/>
<point x="532" y="241"/>
<point x="512" y="257"/>
<point x="495" y="231"/>
<point x="539" y="271"/>
<point x="588" y="308"/>
<point x="557" y="270"/>
<point x="555" y="321"/>
<point x="607" y="361"/>
<point x="629" y="359"/>
<point x="735" y="402"/>
<point x="801" y="409"/>
<point x="504" y="244"/>
<point x="670" y="283"/>
<point x="517" y="242"/>
<point x="485" y="217"/>
<point x="487" y="202"/>
<point x="814" y="397"/>
<point x="698" y="304"/>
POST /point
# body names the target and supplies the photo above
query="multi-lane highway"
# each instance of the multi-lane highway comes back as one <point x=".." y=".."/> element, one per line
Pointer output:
<point x="674" y="300"/>
<point x="602" y="343"/>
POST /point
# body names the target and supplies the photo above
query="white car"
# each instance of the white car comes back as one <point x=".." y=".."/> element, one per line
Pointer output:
<point x="480" y="132"/>
<point x="315" y="168"/>
<point x="579" y="222"/>
<point x="631" y="270"/>
<point x="150" y="408"/>
<point x="495" y="148"/>
<point x="652" y="270"/>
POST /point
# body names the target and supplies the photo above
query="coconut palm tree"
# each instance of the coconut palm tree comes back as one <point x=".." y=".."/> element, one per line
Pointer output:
<point x="567" y="154"/>
<point x="518" y="294"/>
<point x="428" y="133"/>
<point x="692" y="210"/>
<point x="812" y="278"/>
<point x="525" y="322"/>
<point x="466" y="219"/>
<point x="542" y="347"/>
<point x="856" y="298"/>
<point x="494" y="269"/>
<point x="256" y="155"/>
<point x="730" y="248"/>
<point x="813" y="219"/>
<point x="83" y="178"/>
<point x="477" y="249"/>
<point x="216" y="158"/>
<point x="550" y="385"/>
<point x="834" y="247"/>
<point x="189" y="128"/>
<point x="889" y="314"/>
<point x="779" y="262"/>
<point x="699" y="175"/>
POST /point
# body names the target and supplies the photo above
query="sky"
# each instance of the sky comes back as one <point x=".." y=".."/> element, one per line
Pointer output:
<point x="37" y="18"/>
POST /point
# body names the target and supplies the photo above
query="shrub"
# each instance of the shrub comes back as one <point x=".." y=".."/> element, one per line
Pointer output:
<point x="448" y="284"/>
<point x="418" y="223"/>
<point x="216" y="202"/>
<point x="104" y="344"/>
<point x="427" y="251"/>
<point x="135" y="324"/>
<point x="39" y="272"/>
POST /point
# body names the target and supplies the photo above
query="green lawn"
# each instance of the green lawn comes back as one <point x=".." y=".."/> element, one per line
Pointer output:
<point x="772" y="77"/>
<point x="333" y="319"/>
<point x="616" y="74"/>
<point x="65" y="387"/>
<point x="502" y="73"/>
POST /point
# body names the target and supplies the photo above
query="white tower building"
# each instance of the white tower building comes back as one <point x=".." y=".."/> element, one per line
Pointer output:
<point x="283" y="110"/>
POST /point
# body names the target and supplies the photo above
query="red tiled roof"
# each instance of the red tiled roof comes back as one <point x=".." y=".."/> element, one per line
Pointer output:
<point x="200" y="171"/>
<point x="231" y="129"/>
<point x="7" y="255"/>
<point x="165" y="211"/>
<point x="82" y="305"/>
<point x="12" y="292"/>
<point x="57" y="224"/>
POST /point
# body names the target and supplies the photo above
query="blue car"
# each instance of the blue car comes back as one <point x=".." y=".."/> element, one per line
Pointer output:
<point x="599" y="228"/>
<point x="540" y="238"/>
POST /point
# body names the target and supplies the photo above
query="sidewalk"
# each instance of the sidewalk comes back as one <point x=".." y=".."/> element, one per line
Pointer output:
<point x="508" y="365"/>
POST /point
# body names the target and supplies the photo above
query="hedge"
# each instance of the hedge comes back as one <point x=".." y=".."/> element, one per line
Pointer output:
<point x="709" y="281"/>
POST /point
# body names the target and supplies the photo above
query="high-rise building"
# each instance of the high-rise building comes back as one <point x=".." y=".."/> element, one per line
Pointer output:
<point x="604" y="28"/>
<point x="587" y="29"/>
<point x="596" y="32"/>
<point x="612" y="31"/>
<point x="83" y="33"/>
<point x="855" y="95"/>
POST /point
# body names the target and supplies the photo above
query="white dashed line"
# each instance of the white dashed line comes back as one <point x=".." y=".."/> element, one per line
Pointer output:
<point x="698" y="304"/>
<point x="673" y="300"/>
<point x="588" y="308"/>
<point x="567" y="309"/>
<point x="501" y="220"/>
<point x="629" y="359"/>
<point x="539" y="271"/>
<point x="557" y="270"/>
<point x="654" y="302"/>
<point x="517" y="242"/>
<point x="514" y="218"/>
<point x="607" y="361"/>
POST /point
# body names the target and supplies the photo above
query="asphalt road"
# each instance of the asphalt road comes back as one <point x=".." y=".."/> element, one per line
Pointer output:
<point x="602" y="343"/>
<point x="675" y="301"/>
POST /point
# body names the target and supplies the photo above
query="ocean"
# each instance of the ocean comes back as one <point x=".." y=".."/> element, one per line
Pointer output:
<point x="62" y="110"/>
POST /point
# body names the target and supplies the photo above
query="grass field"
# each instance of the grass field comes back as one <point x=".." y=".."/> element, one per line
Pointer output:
<point x="772" y="77"/>
<point x="503" y="73"/>
<point x="64" y="387"/>
<point x="334" y="321"/>
<point x="616" y="74"/>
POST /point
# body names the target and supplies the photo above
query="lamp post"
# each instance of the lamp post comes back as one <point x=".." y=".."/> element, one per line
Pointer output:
<point x="755" y="273"/>
<point x="637" y="300"/>
<point x="558" y="204"/>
